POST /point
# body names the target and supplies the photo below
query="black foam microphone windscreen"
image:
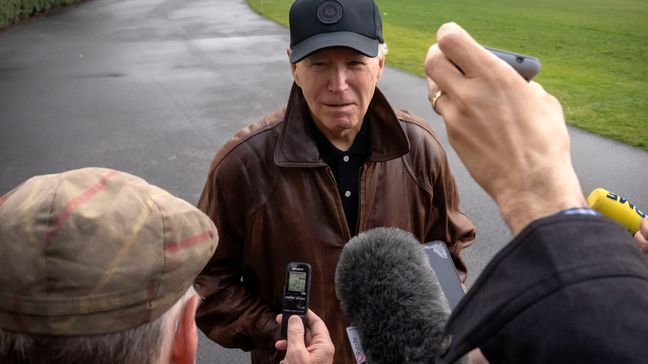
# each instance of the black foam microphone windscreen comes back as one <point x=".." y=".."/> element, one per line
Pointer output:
<point x="388" y="290"/>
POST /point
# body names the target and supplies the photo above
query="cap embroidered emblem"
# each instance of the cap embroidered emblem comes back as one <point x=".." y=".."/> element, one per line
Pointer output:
<point x="329" y="12"/>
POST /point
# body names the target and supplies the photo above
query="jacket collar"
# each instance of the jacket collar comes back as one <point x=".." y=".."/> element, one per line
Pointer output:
<point x="296" y="146"/>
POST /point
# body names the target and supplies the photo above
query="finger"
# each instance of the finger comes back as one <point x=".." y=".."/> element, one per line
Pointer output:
<point x="295" y="333"/>
<point x="466" y="53"/>
<point x="440" y="70"/>
<point x="432" y="91"/>
<point x="432" y="88"/>
<point x="434" y="95"/>
<point x="538" y="89"/>
<point x="642" y="242"/>
<point x="317" y="327"/>
<point x="281" y="345"/>
<point x="641" y="236"/>
<point x="442" y="100"/>
<point x="435" y="101"/>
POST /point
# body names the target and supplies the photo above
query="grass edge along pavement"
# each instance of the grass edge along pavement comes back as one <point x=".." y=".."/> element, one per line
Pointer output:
<point x="14" y="11"/>
<point x="592" y="52"/>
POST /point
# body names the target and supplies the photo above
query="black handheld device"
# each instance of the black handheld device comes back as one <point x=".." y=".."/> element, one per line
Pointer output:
<point x="296" y="293"/>
<point x="441" y="262"/>
<point x="526" y="66"/>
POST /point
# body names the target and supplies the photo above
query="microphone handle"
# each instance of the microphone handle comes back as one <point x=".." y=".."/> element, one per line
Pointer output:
<point x="617" y="208"/>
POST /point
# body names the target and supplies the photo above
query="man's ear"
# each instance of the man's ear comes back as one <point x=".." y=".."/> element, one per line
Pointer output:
<point x="185" y="339"/>
<point x="293" y="67"/>
<point x="381" y="65"/>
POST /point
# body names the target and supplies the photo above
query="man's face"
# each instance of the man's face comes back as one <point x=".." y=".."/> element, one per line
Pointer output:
<point x="338" y="84"/>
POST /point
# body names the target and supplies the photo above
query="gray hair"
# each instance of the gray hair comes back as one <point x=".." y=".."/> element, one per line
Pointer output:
<point x="382" y="50"/>
<point x="143" y="344"/>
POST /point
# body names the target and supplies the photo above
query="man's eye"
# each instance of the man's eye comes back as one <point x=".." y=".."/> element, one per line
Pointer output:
<point x="356" y="63"/>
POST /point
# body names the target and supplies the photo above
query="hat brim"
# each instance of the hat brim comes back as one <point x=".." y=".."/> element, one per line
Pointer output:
<point x="362" y="44"/>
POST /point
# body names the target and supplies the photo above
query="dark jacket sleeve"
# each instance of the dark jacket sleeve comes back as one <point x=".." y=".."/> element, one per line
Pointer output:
<point x="230" y="314"/>
<point x="567" y="289"/>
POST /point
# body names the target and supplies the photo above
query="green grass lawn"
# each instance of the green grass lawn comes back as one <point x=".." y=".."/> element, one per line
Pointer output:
<point x="594" y="53"/>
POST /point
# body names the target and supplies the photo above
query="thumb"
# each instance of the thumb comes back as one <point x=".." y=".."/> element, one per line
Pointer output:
<point x="641" y="236"/>
<point x="295" y="333"/>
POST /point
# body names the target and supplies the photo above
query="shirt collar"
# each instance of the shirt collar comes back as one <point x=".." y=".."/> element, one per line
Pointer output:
<point x="297" y="144"/>
<point x="328" y="151"/>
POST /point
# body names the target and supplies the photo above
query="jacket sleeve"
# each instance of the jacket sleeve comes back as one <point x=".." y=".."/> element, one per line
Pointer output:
<point x="456" y="229"/>
<point x="230" y="314"/>
<point x="568" y="289"/>
<point x="430" y="162"/>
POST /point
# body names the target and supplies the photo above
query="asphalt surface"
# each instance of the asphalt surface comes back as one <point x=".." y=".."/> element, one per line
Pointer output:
<point x="155" y="87"/>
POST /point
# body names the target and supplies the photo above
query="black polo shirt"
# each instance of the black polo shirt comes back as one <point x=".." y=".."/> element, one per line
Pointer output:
<point x="346" y="169"/>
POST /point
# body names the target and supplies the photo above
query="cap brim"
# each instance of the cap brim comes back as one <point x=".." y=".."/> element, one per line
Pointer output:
<point x="360" y="43"/>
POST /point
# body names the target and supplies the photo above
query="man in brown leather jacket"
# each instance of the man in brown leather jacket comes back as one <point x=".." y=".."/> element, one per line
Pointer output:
<point x="298" y="184"/>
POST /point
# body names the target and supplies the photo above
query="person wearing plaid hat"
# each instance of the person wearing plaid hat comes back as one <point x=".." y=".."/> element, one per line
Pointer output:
<point x="97" y="266"/>
<point x="297" y="185"/>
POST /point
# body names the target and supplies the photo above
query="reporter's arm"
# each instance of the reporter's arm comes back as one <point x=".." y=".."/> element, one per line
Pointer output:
<point x="510" y="135"/>
<point x="312" y="346"/>
<point x="568" y="288"/>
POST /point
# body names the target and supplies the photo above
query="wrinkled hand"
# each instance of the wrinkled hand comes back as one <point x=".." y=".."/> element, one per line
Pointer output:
<point x="510" y="134"/>
<point x="641" y="236"/>
<point x="311" y="347"/>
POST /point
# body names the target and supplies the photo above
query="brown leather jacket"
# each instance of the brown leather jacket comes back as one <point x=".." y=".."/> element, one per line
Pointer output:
<point x="275" y="201"/>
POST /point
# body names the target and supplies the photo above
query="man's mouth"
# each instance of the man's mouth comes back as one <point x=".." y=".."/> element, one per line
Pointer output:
<point x="340" y="104"/>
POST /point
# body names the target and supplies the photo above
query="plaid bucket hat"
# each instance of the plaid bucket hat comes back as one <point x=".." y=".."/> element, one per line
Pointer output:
<point x="96" y="251"/>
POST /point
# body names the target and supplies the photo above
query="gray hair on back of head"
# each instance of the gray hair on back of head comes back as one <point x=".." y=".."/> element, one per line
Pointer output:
<point x="140" y="345"/>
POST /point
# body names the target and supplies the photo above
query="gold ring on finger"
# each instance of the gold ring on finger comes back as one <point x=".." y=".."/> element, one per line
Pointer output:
<point x="435" y="99"/>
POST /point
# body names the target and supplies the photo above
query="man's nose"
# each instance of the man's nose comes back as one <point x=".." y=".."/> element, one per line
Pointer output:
<point x="338" y="79"/>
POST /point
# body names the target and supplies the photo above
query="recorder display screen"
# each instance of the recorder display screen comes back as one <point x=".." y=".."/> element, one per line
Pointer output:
<point x="297" y="282"/>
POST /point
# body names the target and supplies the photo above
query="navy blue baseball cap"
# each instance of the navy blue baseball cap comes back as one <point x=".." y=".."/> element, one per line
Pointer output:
<point x="317" y="24"/>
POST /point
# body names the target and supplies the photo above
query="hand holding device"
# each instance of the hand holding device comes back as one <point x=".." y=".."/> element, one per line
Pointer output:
<point x="296" y="293"/>
<point x="312" y="346"/>
<point x="510" y="134"/>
